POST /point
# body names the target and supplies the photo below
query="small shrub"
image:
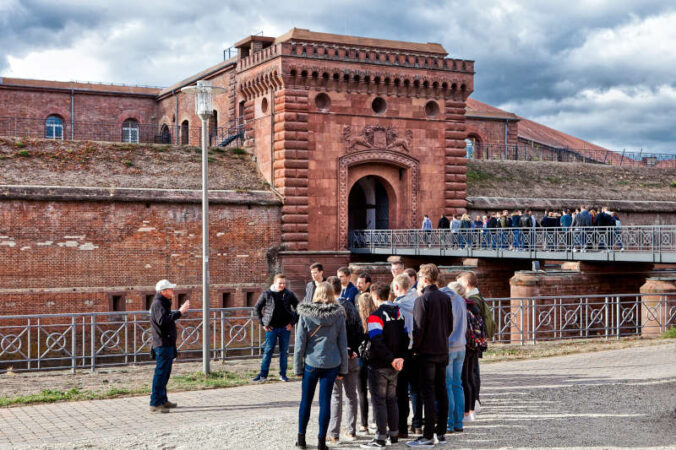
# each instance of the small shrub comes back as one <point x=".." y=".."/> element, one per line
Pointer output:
<point x="238" y="151"/>
<point x="127" y="162"/>
<point x="670" y="333"/>
<point x="211" y="159"/>
<point x="23" y="153"/>
<point x="19" y="144"/>
<point x="218" y="150"/>
<point x="673" y="184"/>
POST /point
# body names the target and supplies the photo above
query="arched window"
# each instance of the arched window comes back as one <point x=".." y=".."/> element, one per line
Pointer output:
<point x="130" y="131"/>
<point x="54" y="127"/>
<point x="165" y="134"/>
<point x="469" y="147"/>
<point x="185" y="138"/>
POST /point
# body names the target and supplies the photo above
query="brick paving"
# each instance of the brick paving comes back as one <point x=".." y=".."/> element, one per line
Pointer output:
<point x="534" y="401"/>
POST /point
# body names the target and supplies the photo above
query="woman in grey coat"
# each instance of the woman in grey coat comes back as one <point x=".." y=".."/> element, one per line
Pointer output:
<point x="320" y="356"/>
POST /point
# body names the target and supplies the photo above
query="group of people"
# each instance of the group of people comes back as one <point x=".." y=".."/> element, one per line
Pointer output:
<point x="412" y="344"/>
<point x="485" y="231"/>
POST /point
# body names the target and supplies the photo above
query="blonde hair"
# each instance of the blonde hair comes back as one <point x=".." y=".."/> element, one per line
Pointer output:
<point x="465" y="217"/>
<point x="366" y="308"/>
<point x="324" y="293"/>
<point x="457" y="288"/>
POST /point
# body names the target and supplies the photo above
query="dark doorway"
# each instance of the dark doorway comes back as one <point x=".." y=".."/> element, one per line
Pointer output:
<point x="368" y="205"/>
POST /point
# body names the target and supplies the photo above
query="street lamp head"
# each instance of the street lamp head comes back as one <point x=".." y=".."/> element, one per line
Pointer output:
<point x="204" y="94"/>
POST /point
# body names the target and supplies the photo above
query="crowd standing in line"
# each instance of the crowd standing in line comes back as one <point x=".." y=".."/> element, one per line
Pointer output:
<point x="514" y="231"/>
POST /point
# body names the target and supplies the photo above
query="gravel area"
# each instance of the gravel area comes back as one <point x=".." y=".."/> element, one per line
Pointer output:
<point x="611" y="399"/>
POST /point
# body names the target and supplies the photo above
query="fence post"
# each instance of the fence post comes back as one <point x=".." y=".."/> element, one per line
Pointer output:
<point x="607" y="313"/>
<point x="38" y="344"/>
<point x="92" y="342"/>
<point x="29" y="343"/>
<point x="73" y="346"/>
<point x="222" y="335"/>
<point x="135" y="338"/>
<point x="617" y="317"/>
<point x="532" y="325"/>
<point x="126" y="338"/>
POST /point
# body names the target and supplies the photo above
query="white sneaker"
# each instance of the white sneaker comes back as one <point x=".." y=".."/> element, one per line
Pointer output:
<point x="477" y="407"/>
<point x="472" y="416"/>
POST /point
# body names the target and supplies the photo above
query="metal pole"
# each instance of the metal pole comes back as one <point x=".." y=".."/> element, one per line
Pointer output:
<point x="205" y="252"/>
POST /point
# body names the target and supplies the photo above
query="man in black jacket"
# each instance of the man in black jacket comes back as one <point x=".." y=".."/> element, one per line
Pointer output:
<point x="163" y="325"/>
<point x="444" y="223"/>
<point x="317" y="274"/>
<point x="276" y="311"/>
<point x="432" y="325"/>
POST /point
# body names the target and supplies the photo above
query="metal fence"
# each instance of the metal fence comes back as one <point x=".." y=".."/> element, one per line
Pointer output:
<point x="525" y="152"/>
<point x="630" y="243"/>
<point x="530" y="320"/>
<point x="94" y="340"/>
<point x="138" y="133"/>
<point x="91" y="340"/>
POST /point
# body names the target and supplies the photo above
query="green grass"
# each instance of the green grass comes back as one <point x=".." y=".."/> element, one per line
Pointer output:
<point x="19" y="144"/>
<point x="474" y="175"/>
<point x="216" y="379"/>
<point x="23" y="153"/>
<point x="669" y="334"/>
<point x="127" y="162"/>
<point x="237" y="151"/>
<point x="673" y="184"/>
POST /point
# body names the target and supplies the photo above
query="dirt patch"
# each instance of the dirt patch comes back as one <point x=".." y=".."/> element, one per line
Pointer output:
<point x="569" y="180"/>
<point x="44" y="162"/>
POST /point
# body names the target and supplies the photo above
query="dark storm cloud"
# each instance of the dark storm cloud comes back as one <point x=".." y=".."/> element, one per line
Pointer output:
<point x="601" y="70"/>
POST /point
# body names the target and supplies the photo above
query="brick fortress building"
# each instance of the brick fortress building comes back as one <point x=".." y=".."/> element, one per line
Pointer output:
<point x="348" y="132"/>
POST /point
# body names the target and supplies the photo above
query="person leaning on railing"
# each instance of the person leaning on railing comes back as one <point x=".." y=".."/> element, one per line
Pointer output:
<point x="163" y="325"/>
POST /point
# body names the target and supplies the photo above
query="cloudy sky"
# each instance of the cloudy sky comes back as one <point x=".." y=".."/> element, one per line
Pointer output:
<point x="602" y="70"/>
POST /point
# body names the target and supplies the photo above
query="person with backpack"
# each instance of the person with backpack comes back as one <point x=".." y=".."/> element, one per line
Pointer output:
<point x="475" y="344"/>
<point x="469" y="281"/>
<point x="320" y="356"/>
<point x="349" y="382"/>
<point x="388" y="343"/>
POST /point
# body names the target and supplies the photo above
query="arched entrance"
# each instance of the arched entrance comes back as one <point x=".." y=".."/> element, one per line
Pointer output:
<point x="368" y="205"/>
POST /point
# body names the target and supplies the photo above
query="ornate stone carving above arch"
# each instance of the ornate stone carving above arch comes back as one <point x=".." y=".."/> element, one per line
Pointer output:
<point x="378" y="156"/>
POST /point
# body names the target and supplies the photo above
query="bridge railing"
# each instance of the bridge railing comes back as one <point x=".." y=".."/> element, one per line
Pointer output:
<point x="535" y="319"/>
<point x="94" y="340"/>
<point x="643" y="239"/>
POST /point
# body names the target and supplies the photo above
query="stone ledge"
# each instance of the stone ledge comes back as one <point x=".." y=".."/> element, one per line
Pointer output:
<point x="116" y="194"/>
<point x="511" y="203"/>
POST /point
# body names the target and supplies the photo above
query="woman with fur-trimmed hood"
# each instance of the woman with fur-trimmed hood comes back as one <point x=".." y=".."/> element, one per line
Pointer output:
<point x="320" y="357"/>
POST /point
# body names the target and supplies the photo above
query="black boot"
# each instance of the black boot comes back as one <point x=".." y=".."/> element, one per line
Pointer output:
<point x="321" y="445"/>
<point x="300" y="443"/>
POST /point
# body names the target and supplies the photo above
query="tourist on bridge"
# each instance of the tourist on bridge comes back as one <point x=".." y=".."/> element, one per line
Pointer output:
<point x="317" y="275"/>
<point x="276" y="312"/>
<point x="427" y="223"/>
<point x="355" y="334"/>
<point x="163" y="326"/>
<point x="320" y="356"/>
<point x="444" y="223"/>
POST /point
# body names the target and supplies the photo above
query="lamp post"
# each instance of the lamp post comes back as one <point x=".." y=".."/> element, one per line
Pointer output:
<point x="204" y="92"/>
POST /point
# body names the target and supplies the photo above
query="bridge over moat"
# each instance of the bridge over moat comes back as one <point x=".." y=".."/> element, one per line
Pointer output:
<point x="648" y="244"/>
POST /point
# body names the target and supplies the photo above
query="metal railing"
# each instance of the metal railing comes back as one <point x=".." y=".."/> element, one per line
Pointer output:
<point x="529" y="320"/>
<point x="629" y="243"/>
<point x="526" y="152"/>
<point x="91" y="340"/>
<point x="141" y="133"/>
<point x="94" y="340"/>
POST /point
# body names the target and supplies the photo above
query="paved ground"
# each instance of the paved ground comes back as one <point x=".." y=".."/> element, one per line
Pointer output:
<point x="619" y="398"/>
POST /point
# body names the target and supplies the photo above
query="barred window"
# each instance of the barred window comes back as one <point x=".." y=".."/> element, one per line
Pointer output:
<point x="130" y="131"/>
<point x="54" y="127"/>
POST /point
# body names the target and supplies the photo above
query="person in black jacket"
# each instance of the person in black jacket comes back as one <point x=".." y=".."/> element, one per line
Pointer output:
<point x="276" y="311"/>
<point x="317" y="274"/>
<point x="388" y="338"/>
<point x="163" y="325"/>
<point x="432" y="325"/>
<point x="444" y="223"/>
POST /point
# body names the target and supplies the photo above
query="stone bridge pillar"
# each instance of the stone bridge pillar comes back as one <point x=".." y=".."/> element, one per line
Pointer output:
<point x="657" y="309"/>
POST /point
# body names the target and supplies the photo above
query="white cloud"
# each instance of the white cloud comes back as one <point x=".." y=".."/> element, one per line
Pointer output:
<point x="60" y="65"/>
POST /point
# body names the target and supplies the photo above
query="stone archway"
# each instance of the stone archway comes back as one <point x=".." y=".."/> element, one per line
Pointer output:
<point x="398" y="176"/>
<point x="369" y="204"/>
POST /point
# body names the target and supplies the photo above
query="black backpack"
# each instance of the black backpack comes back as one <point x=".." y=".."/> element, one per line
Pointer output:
<point x="476" y="332"/>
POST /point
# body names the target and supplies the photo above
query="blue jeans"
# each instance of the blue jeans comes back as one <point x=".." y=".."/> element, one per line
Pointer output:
<point x="326" y="378"/>
<point x="164" y="359"/>
<point x="456" y="396"/>
<point x="271" y="337"/>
